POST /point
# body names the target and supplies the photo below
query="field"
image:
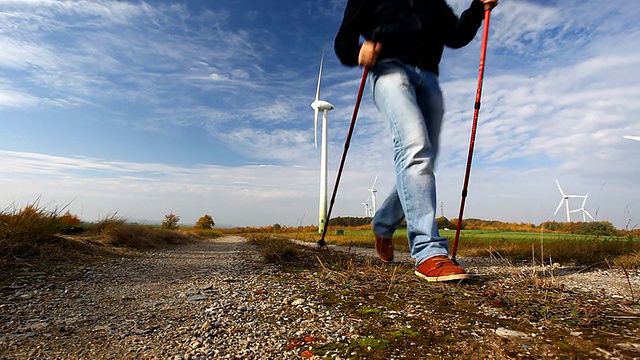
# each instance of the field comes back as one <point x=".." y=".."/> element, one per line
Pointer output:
<point x="34" y="236"/>
<point x="477" y="234"/>
<point x="543" y="247"/>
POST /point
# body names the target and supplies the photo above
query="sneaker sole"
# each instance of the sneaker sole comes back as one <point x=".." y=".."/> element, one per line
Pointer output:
<point x="442" y="278"/>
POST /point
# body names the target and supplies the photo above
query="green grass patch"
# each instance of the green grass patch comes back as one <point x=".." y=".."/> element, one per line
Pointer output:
<point x="370" y="343"/>
<point x="369" y="310"/>
<point x="403" y="333"/>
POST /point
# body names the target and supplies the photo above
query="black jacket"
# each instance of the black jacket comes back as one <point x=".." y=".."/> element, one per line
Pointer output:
<point x="413" y="31"/>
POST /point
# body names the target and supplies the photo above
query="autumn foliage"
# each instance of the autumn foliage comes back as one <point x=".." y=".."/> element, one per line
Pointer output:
<point x="205" y="223"/>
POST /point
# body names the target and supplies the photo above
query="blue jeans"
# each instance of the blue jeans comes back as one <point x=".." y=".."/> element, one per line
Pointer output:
<point x="411" y="101"/>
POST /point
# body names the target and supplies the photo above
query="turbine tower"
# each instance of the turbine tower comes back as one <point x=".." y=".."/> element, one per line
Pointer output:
<point x="321" y="105"/>
<point x="565" y="200"/>
<point x="373" y="192"/>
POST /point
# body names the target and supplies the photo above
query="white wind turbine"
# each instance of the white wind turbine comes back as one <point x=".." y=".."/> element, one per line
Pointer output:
<point x="321" y="105"/>
<point x="373" y="192"/>
<point x="585" y="213"/>
<point x="637" y="138"/>
<point x="367" y="210"/>
<point x="565" y="200"/>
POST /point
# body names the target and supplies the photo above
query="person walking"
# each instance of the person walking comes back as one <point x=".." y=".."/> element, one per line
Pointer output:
<point x="402" y="46"/>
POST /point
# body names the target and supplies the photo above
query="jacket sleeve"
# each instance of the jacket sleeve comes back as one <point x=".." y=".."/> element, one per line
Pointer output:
<point x="354" y="23"/>
<point x="462" y="30"/>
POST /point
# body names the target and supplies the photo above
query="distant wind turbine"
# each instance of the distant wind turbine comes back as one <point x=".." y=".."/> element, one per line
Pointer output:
<point x="367" y="211"/>
<point x="585" y="213"/>
<point x="373" y="192"/>
<point x="321" y="105"/>
<point x="565" y="201"/>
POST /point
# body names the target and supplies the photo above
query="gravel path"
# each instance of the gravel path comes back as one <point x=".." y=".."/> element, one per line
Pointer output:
<point x="206" y="300"/>
<point x="195" y="301"/>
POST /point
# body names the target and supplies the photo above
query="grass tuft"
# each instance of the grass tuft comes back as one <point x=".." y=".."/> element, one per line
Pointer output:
<point x="23" y="231"/>
<point x="276" y="250"/>
<point x="29" y="224"/>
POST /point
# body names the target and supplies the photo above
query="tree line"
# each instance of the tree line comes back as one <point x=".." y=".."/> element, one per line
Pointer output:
<point x="601" y="228"/>
<point x="605" y="228"/>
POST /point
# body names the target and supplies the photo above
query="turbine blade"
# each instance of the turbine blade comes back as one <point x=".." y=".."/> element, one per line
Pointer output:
<point x="315" y="127"/>
<point x="319" y="78"/>
<point x="637" y="138"/>
<point x="374" y="182"/>
<point x="558" y="208"/>
<point x="584" y="201"/>
<point x="589" y="215"/>
<point x="559" y="188"/>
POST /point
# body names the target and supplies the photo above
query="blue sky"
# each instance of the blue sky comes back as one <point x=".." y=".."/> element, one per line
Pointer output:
<point x="203" y="107"/>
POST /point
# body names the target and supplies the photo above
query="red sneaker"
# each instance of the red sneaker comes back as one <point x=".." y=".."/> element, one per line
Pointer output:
<point x="384" y="248"/>
<point x="440" y="268"/>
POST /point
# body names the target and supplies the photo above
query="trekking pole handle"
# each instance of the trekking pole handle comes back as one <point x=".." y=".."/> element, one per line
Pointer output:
<point x="490" y="6"/>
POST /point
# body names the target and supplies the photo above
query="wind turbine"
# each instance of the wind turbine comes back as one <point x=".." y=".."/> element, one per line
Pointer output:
<point x="565" y="200"/>
<point x="585" y="213"/>
<point x="637" y="138"/>
<point x="373" y="192"/>
<point x="321" y="105"/>
<point x="367" y="211"/>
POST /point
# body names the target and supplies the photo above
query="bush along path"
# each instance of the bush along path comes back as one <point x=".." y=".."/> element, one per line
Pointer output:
<point x="231" y="298"/>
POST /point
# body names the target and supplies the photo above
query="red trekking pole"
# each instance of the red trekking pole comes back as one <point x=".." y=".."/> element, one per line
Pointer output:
<point x="322" y="243"/>
<point x="476" y="111"/>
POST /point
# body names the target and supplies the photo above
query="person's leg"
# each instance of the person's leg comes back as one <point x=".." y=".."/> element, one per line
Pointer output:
<point x="389" y="216"/>
<point x="411" y="106"/>
<point x="429" y="99"/>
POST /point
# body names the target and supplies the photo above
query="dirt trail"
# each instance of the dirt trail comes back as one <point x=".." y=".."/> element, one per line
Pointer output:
<point x="217" y="299"/>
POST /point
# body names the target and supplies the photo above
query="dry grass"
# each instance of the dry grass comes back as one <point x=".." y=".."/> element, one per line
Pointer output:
<point x="116" y="231"/>
<point x="31" y="223"/>
<point x="581" y="251"/>
<point x="31" y="240"/>
<point x="276" y="250"/>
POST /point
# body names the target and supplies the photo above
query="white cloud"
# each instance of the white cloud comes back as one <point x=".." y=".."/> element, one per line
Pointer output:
<point x="560" y="91"/>
<point x="145" y="190"/>
<point x="9" y="98"/>
<point x="279" y="145"/>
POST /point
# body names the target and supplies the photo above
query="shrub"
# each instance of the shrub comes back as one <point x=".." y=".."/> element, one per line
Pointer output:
<point x="170" y="221"/>
<point x="205" y="223"/>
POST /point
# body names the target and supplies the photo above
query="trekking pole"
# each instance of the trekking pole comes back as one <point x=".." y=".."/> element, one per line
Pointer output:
<point x="476" y="111"/>
<point x="322" y="243"/>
